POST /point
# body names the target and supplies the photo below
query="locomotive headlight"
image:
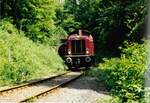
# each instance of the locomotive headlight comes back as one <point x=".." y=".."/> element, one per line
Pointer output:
<point x="69" y="51"/>
<point x="87" y="51"/>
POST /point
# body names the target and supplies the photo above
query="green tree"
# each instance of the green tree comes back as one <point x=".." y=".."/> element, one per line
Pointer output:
<point x="35" y="17"/>
<point x="119" y="21"/>
<point x="66" y="16"/>
<point x="111" y="21"/>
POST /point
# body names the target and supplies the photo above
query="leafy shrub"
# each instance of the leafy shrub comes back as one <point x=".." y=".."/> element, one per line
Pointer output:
<point x="21" y="59"/>
<point x="58" y="34"/>
<point x="124" y="76"/>
<point x="109" y="100"/>
<point x="34" y="17"/>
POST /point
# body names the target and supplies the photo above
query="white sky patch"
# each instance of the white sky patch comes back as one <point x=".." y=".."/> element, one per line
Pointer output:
<point x="62" y="1"/>
<point x="78" y="2"/>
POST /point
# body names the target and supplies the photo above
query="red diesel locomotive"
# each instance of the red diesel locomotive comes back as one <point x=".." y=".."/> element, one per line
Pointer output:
<point x="78" y="50"/>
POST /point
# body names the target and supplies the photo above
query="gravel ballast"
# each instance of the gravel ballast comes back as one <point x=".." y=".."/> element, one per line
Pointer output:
<point x="82" y="90"/>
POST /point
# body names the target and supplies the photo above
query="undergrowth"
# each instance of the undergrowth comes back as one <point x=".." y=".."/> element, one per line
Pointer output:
<point x="124" y="76"/>
<point x="21" y="59"/>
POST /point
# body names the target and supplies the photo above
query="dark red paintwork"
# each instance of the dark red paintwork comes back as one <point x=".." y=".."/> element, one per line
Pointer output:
<point x="89" y="45"/>
<point x="79" y="59"/>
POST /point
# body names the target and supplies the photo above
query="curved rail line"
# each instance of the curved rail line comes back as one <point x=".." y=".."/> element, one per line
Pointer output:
<point x="29" y="83"/>
<point x="54" y="87"/>
<point x="28" y="91"/>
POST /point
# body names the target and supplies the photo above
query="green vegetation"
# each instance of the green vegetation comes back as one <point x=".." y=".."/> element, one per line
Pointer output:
<point x="21" y="59"/>
<point x="35" y="17"/>
<point x="109" y="100"/>
<point x="29" y="40"/>
<point x="121" y="66"/>
<point x="118" y="28"/>
<point x="124" y="76"/>
<point x="35" y="27"/>
<point x="111" y="22"/>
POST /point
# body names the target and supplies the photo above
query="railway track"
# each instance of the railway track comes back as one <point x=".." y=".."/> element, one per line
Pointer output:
<point x="33" y="90"/>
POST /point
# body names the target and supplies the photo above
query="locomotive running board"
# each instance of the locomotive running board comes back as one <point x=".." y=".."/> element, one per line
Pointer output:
<point x="77" y="55"/>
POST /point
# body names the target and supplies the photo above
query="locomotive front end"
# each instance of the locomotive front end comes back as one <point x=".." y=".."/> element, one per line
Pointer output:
<point x="80" y="50"/>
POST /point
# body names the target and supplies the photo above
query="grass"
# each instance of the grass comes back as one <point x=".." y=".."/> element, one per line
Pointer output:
<point x="22" y="60"/>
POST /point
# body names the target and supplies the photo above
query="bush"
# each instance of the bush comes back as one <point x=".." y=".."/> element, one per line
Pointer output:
<point x="124" y="76"/>
<point x="35" y="17"/>
<point x="111" y="21"/>
<point x="21" y="59"/>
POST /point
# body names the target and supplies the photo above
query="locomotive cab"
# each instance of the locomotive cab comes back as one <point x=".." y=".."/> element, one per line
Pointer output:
<point x="79" y="49"/>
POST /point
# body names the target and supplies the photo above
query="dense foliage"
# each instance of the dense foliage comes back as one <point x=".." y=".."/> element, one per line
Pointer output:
<point x="35" y="17"/>
<point x="111" y="21"/>
<point x="21" y="59"/>
<point x="124" y="76"/>
<point x="37" y="24"/>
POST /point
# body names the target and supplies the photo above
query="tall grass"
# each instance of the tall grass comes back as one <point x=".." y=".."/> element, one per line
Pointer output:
<point x="21" y="59"/>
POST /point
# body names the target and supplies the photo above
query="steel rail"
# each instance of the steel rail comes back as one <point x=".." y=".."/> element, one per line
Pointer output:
<point x="30" y="83"/>
<point x="28" y="99"/>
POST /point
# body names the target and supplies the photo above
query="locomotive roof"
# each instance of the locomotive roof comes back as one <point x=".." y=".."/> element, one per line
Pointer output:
<point x="80" y="34"/>
<point x="84" y="32"/>
<point x="75" y="37"/>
